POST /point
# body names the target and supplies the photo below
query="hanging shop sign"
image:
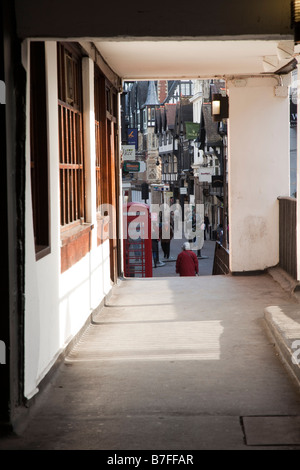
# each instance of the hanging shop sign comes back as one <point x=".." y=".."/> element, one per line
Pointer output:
<point x="293" y="114"/>
<point x="132" y="137"/>
<point x="205" y="174"/>
<point x="192" y="130"/>
<point x="128" y="152"/>
<point x="131" y="166"/>
<point x="217" y="181"/>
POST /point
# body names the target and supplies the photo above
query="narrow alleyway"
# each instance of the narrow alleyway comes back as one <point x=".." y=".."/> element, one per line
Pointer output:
<point x="173" y="363"/>
<point x="205" y="261"/>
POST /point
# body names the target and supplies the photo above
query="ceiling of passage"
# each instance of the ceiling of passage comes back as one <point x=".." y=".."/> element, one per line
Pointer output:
<point x="189" y="58"/>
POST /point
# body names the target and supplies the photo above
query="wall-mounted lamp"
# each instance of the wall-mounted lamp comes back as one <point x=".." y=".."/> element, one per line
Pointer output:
<point x="295" y="20"/>
<point x="219" y="107"/>
<point x="216" y="106"/>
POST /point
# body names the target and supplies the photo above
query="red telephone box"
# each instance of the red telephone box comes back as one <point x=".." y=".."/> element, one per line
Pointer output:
<point x="137" y="242"/>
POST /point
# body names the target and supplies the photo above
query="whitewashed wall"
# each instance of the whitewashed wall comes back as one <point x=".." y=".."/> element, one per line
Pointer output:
<point x="258" y="167"/>
<point x="57" y="305"/>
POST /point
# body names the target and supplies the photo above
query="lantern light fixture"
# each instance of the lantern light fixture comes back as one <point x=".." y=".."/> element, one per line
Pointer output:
<point x="216" y="107"/>
<point x="219" y="107"/>
<point x="295" y="20"/>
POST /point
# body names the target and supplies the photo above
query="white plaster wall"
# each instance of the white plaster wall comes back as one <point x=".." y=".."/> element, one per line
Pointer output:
<point x="258" y="172"/>
<point x="57" y="305"/>
<point x="81" y="290"/>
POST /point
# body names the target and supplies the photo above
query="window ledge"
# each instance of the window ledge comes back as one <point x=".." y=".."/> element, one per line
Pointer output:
<point x="74" y="233"/>
<point x="42" y="251"/>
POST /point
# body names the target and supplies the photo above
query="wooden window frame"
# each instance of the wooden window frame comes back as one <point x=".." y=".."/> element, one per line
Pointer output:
<point x="71" y="159"/>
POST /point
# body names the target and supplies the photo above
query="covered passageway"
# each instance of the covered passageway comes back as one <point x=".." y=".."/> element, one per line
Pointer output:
<point x="45" y="308"/>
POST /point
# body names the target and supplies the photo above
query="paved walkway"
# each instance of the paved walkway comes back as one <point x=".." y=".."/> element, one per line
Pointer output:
<point x="173" y="363"/>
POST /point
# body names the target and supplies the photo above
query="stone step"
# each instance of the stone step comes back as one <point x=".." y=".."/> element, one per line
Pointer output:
<point x="283" y="327"/>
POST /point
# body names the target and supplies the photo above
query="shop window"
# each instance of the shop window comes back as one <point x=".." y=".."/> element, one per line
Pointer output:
<point x="71" y="154"/>
<point x="151" y="116"/>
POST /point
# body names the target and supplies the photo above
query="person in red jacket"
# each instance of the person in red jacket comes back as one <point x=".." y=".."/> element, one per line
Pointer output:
<point x="187" y="262"/>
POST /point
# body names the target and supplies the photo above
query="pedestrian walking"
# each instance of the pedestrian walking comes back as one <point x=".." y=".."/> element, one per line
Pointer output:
<point x="187" y="262"/>
<point x="177" y="221"/>
<point x="155" y="246"/>
<point x="166" y="234"/>
<point x="206" y="230"/>
<point x="155" y="251"/>
<point x="220" y="233"/>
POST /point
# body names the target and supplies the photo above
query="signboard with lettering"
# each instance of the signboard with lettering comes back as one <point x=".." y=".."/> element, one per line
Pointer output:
<point x="205" y="175"/>
<point x="132" y="137"/>
<point x="131" y="166"/>
<point x="192" y="130"/>
<point x="157" y="187"/>
<point x="128" y="152"/>
<point x="293" y="114"/>
<point x="217" y="181"/>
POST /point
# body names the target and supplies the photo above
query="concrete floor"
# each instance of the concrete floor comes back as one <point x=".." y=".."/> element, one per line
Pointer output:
<point x="173" y="363"/>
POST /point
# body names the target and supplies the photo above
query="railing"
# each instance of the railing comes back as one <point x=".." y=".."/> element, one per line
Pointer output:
<point x="287" y="235"/>
<point x="221" y="260"/>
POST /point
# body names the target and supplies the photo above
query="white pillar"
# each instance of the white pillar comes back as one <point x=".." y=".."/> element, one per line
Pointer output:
<point x="258" y="169"/>
<point x="89" y="137"/>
